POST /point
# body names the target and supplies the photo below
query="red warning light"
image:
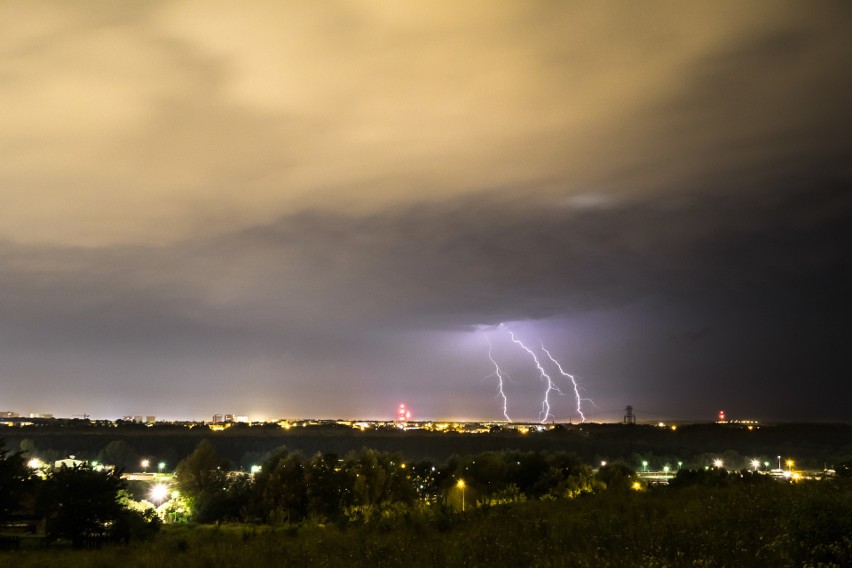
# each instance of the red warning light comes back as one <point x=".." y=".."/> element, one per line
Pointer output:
<point x="404" y="415"/>
<point x="721" y="416"/>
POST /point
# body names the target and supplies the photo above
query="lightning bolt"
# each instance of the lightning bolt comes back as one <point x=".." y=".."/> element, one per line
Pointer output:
<point x="545" y="403"/>
<point x="573" y="382"/>
<point x="499" y="374"/>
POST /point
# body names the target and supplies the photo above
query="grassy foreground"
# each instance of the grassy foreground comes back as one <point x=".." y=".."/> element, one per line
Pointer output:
<point x="808" y="524"/>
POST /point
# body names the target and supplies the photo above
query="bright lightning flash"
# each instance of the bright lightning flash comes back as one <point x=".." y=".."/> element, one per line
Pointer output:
<point x="573" y="382"/>
<point x="545" y="403"/>
<point x="500" y="375"/>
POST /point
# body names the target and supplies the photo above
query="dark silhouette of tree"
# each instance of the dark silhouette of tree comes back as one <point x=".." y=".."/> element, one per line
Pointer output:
<point x="13" y="480"/>
<point x="329" y="490"/>
<point x="281" y="488"/>
<point x="80" y="501"/>
<point x="120" y="454"/>
<point x="202" y="478"/>
<point x="616" y="476"/>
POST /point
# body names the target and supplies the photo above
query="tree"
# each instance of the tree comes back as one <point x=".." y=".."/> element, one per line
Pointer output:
<point x="119" y="454"/>
<point x="616" y="476"/>
<point x="329" y="489"/>
<point x="80" y="501"/>
<point x="13" y="478"/>
<point x="281" y="488"/>
<point x="202" y="478"/>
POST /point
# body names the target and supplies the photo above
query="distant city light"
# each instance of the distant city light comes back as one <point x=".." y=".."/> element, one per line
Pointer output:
<point x="35" y="463"/>
<point x="717" y="463"/>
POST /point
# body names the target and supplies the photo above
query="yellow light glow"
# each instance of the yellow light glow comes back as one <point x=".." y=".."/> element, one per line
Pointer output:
<point x="460" y="483"/>
<point x="636" y="486"/>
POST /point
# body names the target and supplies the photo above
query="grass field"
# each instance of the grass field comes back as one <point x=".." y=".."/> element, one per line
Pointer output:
<point x="807" y="524"/>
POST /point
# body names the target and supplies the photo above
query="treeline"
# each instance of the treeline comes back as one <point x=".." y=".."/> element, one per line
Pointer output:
<point x="126" y="444"/>
<point x="290" y="487"/>
<point x="80" y="504"/>
<point x="374" y="508"/>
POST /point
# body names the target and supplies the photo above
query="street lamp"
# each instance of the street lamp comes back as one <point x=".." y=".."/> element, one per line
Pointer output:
<point x="159" y="493"/>
<point x="460" y="485"/>
<point x="679" y="464"/>
<point x="666" y="469"/>
<point x="644" y="465"/>
<point x="790" y="464"/>
<point x="145" y="464"/>
<point x="717" y="463"/>
<point x="161" y="466"/>
<point x="755" y="464"/>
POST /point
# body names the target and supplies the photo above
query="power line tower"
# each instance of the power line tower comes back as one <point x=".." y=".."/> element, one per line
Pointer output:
<point x="629" y="417"/>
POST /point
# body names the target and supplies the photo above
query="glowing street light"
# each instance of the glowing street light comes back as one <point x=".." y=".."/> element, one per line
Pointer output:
<point x="161" y="466"/>
<point x="159" y="493"/>
<point x="644" y="465"/>
<point x="35" y="463"/>
<point x="461" y="486"/>
<point x="679" y="464"/>
<point x="717" y="463"/>
<point x="755" y="464"/>
<point x="790" y="464"/>
<point x="666" y="469"/>
<point x="145" y="464"/>
<point x="255" y="469"/>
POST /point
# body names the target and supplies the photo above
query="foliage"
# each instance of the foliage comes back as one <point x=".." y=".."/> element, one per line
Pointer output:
<point x="13" y="477"/>
<point x="202" y="478"/>
<point x="735" y="524"/>
<point x="80" y="501"/>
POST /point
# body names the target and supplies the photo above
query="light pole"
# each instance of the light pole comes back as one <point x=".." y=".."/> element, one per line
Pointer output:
<point x="161" y="466"/>
<point x="460" y="485"/>
<point x="644" y="465"/>
<point x="145" y="463"/>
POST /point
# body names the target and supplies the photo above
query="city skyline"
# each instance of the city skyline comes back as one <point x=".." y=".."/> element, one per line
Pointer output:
<point x="307" y="210"/>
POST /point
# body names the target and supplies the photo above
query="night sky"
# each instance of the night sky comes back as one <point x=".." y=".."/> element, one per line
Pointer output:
<point x="323" y="209"/>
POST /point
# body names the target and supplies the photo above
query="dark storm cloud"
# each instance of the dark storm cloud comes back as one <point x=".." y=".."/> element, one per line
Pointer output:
<point x="310" y="197"/>
<point x="456" y="264"/>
